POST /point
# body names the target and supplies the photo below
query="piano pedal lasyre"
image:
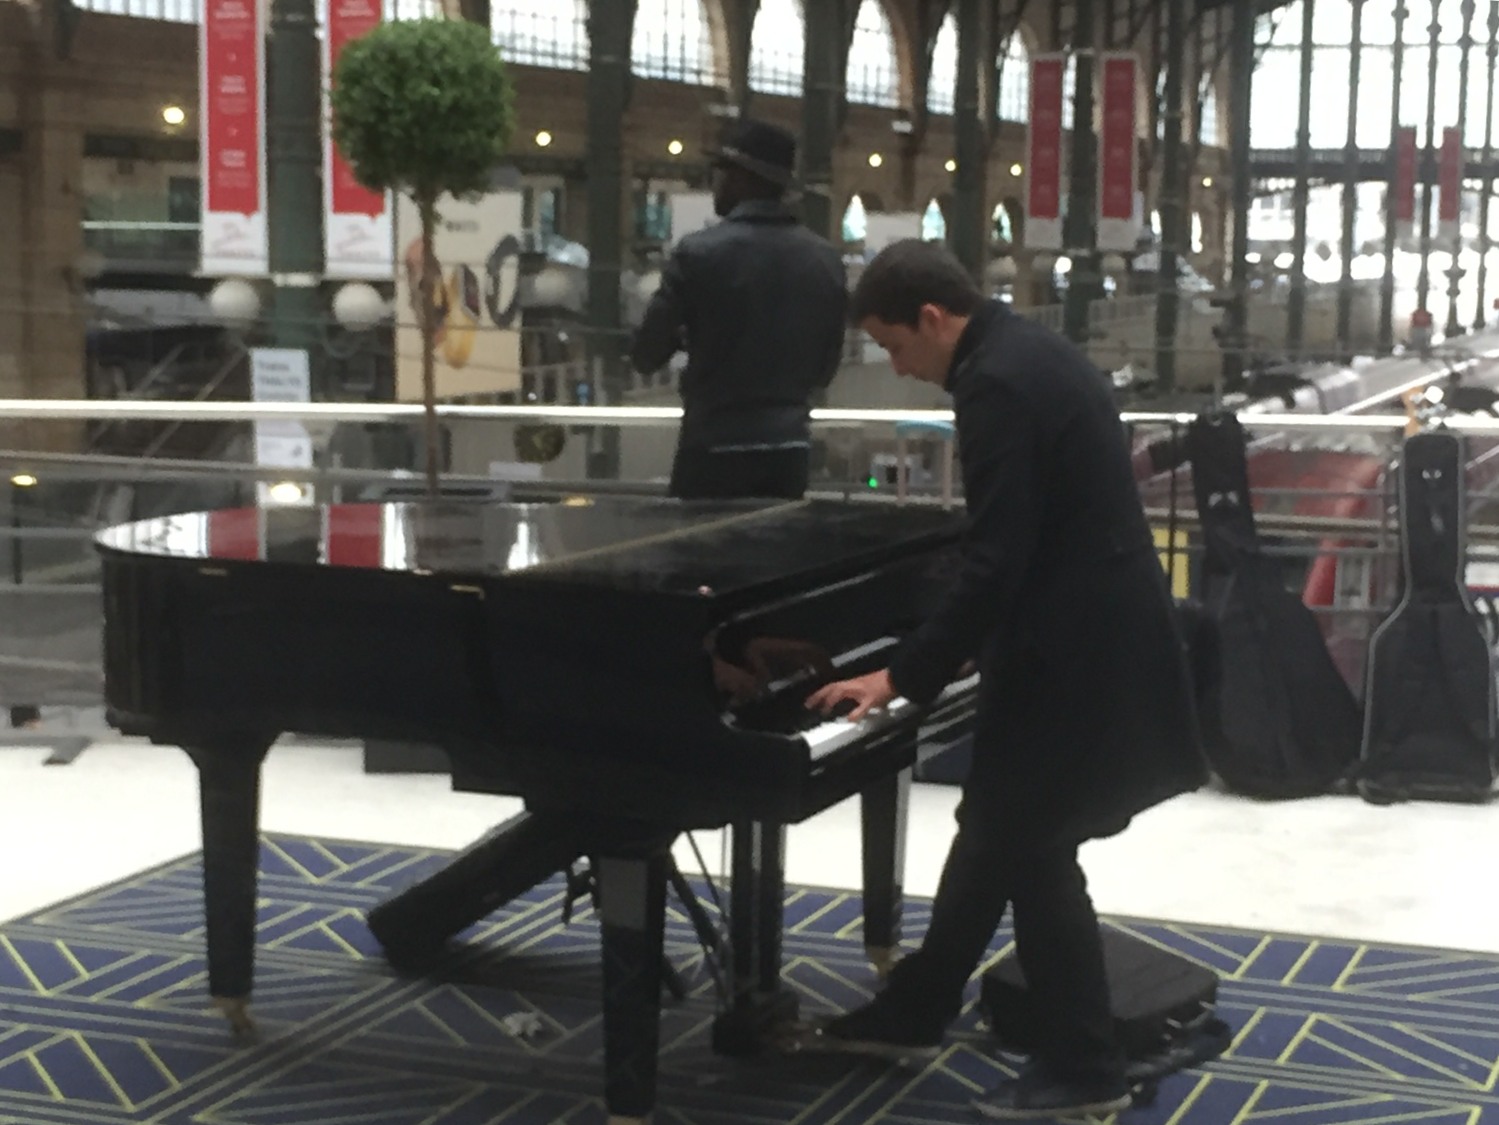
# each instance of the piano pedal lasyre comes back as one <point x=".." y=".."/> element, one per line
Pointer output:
<point x="555" y="652"/>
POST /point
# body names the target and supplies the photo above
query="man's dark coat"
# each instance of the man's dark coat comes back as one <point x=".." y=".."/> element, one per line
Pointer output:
<point x="1085" y="708"/>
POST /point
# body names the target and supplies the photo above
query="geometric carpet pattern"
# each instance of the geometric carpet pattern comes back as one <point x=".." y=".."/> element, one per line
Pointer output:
<point x="104" y="1019"/>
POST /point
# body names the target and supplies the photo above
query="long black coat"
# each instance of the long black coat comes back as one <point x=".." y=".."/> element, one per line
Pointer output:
<point x="758" y="302"/>
<point x="1085" y="707"/>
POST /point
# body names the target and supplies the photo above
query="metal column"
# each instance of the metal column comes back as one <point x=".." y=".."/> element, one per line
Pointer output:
<point x="968" y="229"/>
<point x="1241" y="87"/>
<point x="1350" y="181"/>
<point x="1488" y="173"/>
<point x="1296" y="304"/>
<point x="1387" y="283"/>
<point x="295" y="187"/>
<point x="822" y="97"/>
<point x="1429" y="160"/>
<point x="609" y="31"/>
<point x="1454" y="275"/>
<point x="1172" y="198"/>
<point x="1079" y="229"/>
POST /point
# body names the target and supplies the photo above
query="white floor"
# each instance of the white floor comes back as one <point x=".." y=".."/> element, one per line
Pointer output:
<point x="1417" y="874"/>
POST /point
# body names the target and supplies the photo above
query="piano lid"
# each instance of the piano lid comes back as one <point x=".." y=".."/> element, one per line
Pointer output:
<point x="637" y="543"/>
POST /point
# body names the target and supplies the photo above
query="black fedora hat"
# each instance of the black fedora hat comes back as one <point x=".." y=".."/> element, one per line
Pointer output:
<point x="766" y="150"/>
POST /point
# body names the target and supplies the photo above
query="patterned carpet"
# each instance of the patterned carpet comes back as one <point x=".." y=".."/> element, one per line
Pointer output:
<point x="103" y="1020"/>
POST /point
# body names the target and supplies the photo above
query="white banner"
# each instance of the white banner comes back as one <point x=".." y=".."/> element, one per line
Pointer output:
<point x="477" y="298"/>
<point x="281" y="375"/>
<point x="231" y="97"/>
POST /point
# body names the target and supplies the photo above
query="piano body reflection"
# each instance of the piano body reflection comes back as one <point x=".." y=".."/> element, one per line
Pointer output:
<point x="569" y="653"/>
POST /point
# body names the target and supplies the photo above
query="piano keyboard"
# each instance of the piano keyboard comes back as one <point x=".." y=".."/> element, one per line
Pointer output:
<point x="827" y="738"/>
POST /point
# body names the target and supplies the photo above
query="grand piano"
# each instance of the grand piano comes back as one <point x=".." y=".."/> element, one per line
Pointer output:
<point x="631" y="667"/>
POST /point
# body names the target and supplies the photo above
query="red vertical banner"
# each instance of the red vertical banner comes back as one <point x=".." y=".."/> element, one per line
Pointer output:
<point x="357" y="226"/>
<point x="1450" y="182"/>
<point x="1403" y="188"/>
<point x="231" y="53"/>
<point x="1043" y="212"/>
<point x="1116" y="153"/>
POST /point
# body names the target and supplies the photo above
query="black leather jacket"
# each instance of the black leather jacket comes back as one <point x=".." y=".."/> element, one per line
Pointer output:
<point x="759" y="302"/>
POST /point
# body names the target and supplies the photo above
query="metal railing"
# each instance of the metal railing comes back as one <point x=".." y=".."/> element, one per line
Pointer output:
<point x="49" y="608"/>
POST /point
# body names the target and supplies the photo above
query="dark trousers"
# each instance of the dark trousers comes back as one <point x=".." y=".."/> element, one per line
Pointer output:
<point x="776" y="474"/>
<point x="1056" y="938"/>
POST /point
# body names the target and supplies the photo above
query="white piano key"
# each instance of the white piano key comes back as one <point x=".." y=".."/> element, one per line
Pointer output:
<point x="825" y="738"/>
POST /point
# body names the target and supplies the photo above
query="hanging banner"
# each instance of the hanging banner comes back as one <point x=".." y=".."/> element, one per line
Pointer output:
<point x="231" y="77"/>
<point x="1116" y="154"/>
<point x="359" y="241"/>
<point x="1043" y="163"/>
<point x="1450" y="183"/>
<point x="476" y="297"/>
<point x="1403" y="197"/>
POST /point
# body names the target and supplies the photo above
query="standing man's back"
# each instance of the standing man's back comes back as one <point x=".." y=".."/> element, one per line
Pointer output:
<point x="758" y="302"/>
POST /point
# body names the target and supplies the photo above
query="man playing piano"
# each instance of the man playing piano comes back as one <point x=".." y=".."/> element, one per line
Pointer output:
<point x="758" y="302"/>
<point x="1084" y="716"/>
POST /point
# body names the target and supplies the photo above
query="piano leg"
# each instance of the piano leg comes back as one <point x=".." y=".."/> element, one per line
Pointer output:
<point x="632" y="916"/>
<point x="504" y="863"/>
<point x="757" y="896"/>
<point x="229" y="799"/>
<point x="883" y="811"/>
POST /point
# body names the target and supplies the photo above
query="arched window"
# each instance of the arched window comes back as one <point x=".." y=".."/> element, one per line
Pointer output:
<point x="673" y="40"/>
<point x="933" y="223"/>
<point x="942" y="83"/>
<point x="855" y="221"/>
<point x="1014" y="100"/>
<point x="873" y="76"/>
<point x="778" y="47"/>
<point x="541" y="32"/>
<point x="1001" y="223"/>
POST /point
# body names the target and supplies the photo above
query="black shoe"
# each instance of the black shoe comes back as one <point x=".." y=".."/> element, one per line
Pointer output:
<point x="1035" y="1094"/>
<point x="883" y="1030"/>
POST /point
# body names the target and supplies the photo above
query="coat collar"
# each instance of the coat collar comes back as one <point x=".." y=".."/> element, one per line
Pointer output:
<point x="984" y="318"/>
<point x="761" y="211"/>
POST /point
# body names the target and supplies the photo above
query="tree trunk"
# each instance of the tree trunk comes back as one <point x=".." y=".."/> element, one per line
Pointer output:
<point x="428" y="210"/>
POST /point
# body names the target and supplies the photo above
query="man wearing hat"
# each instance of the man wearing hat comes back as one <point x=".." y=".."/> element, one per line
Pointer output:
<point x="758" y="303"/>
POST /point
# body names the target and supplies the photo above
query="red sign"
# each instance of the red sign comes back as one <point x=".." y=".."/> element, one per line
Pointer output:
<point x="232" y="106"/>
<point x="353" y="535"/>
<point x="1044" y="157"/>
<point x="1116" y="154"/>
<point x="347" y="21"/>
<point x="1450" y="176"/>
<point x="1403" y="207"/>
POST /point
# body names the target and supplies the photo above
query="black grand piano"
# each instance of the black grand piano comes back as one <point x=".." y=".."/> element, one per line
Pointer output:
<point x="632" y="667"/>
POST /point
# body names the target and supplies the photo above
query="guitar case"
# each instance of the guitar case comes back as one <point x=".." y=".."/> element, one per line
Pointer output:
<point x="1278" y="718"/>
<point x="1429" y="698"/>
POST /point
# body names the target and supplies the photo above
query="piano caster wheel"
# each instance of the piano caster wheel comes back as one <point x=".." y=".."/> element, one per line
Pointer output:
<point x="883" y="959"/>
<point x="236" y="1010"/>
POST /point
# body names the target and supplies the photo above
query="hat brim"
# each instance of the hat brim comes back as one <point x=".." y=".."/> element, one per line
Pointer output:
<point x="781" y="177"/>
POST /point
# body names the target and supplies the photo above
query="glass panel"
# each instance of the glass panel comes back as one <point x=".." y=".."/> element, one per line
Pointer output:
<point x="778" y="45"/>
<point x="873" y="77"/>
<point x="542" y="32"/>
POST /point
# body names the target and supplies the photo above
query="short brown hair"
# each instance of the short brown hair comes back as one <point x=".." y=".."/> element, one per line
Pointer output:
<point x="908" y="274"/>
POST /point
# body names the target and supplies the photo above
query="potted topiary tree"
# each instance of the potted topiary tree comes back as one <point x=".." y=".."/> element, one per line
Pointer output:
<point x="423" y="107"/>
